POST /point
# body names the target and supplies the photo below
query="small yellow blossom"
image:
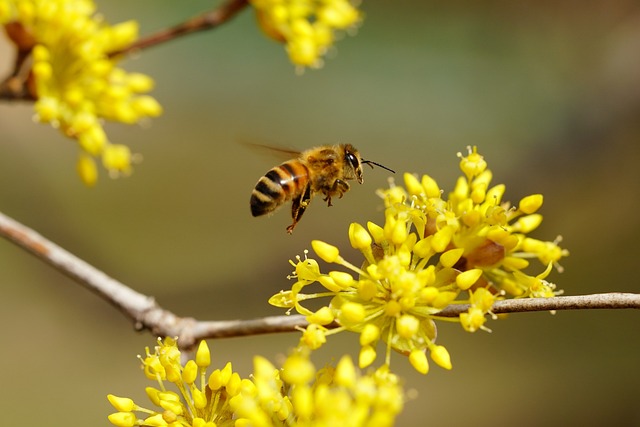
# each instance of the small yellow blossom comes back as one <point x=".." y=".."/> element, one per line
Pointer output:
<point x="480" y="301"/>
<point x="75" y="80"/>
<point x="307" y="27"/>
<point x="314" y="335"/>
<point x="472" y="165"/>
<point x="431" y="252"/>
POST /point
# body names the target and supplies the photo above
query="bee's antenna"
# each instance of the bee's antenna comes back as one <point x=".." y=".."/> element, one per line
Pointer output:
<point x="370" y="163"/>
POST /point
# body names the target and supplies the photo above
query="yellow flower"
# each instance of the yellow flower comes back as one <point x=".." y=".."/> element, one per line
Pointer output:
<point x="200" y="401"/>
<point x="74" y="78"/>
<point x="308" y="27"/>
<point x="470" y="248"/>
<point x="298" y="395"/>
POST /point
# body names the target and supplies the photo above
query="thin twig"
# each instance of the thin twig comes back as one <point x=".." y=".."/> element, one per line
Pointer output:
<point x="206" y="21"/>
<point x="613" y="300"/>
<point x="143" y="310"/>
<point x="146" y="314"/>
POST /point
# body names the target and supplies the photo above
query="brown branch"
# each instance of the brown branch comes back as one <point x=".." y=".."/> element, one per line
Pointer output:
<point x="146" y="314"/>
<point x="141" y="309"/>
<point x="206" y="21"/>
<point x="613" y="300"/>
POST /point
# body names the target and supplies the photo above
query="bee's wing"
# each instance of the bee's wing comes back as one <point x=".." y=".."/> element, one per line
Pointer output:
<point x="281" y="153"/>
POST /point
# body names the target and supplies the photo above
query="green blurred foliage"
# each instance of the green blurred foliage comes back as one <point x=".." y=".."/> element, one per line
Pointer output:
<point x="549" y="92"/>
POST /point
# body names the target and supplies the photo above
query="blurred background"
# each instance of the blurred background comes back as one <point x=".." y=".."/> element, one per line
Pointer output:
<point x="548" y="91"/>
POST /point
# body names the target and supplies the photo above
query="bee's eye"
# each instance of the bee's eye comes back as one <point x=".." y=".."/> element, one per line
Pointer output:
<point x="353" y="161"/>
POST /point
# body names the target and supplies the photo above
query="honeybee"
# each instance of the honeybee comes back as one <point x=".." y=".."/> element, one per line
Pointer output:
<point x="325" y="169"/>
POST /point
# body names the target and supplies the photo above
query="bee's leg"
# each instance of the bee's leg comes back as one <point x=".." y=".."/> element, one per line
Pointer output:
<point x="339" y="187"/>
<point x="298" y="207"/>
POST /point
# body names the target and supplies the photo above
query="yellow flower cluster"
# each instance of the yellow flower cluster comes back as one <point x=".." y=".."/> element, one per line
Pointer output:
<point x="308" y="27"/>
<point x="201" y="401"/>
<point x="296" y="395"/>
<point x="74" y="78"/>
<point x="470" y="248"/>
<point x="328" y="397"/>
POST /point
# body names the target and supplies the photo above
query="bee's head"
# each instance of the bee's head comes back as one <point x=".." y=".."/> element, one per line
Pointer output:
<point x="352" y="164"/>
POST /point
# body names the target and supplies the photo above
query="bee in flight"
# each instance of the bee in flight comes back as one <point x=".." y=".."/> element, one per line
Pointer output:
<point x="325" y="169"/>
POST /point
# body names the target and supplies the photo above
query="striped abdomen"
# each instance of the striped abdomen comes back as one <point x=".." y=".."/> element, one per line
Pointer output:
<point x="278" y="186"/>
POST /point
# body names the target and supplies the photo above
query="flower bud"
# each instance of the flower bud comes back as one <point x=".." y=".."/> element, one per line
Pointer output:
<point x="440" y="355"/>
<point x="203" y="355"/>
<point x="418" y="360"/>
<point x="359" y="237"/>
<point x="367" y="356"/>
<point x="122" y="404"/>
<point x="531" y="203"/>
<point x="327" y="252"/>
<point x="466" y="279"/>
